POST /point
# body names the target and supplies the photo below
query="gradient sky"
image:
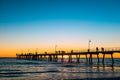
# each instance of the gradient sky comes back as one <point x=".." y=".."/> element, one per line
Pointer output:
<point x="69" y="24"/>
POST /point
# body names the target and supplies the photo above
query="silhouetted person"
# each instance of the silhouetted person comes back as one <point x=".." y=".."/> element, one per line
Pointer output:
<point x="88" y="50"/>
<point x="63" y="51"/>
<point x="36" y="53"/>
<point x="96" y="49"/>
<point x="45" y="52"/>
<point x="59" y="52"/>
<point x="56" y="51"/>
<point x="102" y="49"/>
<point x="71" y="51"/>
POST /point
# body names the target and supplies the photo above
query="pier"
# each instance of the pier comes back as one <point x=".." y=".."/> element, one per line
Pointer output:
<point x="55" y="56"/>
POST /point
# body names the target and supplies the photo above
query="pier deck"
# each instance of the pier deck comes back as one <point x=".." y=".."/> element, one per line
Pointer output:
<point x="55" y="56"/>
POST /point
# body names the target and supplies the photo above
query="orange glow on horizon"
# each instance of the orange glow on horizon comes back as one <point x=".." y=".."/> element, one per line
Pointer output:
<point x="11" y="51"/>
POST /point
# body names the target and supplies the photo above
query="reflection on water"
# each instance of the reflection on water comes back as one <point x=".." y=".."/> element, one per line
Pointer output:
<point x="11" y="69"/>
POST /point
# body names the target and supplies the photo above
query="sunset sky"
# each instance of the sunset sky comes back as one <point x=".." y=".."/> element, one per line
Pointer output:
<point x="69" y="24"/>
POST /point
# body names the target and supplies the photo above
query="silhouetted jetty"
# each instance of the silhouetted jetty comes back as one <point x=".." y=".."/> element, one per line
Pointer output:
<point x="55" y="56"/>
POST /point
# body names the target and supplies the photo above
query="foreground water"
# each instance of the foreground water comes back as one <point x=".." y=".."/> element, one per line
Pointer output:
<point x="14" y="69"/>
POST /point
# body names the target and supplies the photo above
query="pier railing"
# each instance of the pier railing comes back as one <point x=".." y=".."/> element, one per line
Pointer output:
<point x="86" y="50"/>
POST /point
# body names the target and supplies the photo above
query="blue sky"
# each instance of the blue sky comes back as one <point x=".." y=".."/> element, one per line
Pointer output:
<point x="88" y="10"/>
<point x="68" y="23"/>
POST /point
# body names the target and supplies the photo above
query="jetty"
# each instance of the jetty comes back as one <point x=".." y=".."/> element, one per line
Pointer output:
<point x="55" y="56"/>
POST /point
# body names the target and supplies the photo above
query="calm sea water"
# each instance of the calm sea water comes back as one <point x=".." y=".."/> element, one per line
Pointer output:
<point x="15" y="69"/>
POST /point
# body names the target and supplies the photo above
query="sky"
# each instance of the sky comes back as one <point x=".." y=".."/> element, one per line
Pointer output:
<point x="69" y="24"/>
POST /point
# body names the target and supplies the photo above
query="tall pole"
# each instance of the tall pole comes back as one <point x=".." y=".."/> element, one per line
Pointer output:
<point x="90" y="59"/>
<point x="36" y="50"/>
<point x="55" y="48"/>
<point x="89" y="44"/>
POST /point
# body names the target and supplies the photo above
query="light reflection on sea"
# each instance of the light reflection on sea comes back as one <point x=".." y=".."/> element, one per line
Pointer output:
<point x="12" y="69"/>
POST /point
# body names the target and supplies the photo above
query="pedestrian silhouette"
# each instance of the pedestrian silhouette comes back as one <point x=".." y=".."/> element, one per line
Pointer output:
<point x="71" y="51"/>
<point x="63" y="51"/>
<point x="58" y="51"/>
<point x="102" y="49"/>
<point x="88" y="50"/>
<point x="45" y="52"/>
<point x="96" y="49"/>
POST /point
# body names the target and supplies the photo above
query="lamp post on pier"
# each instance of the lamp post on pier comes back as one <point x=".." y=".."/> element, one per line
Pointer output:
<point x="90" y="58"/>
<point x="89" y="44"/>
<point x="36" y="50"/>
<point x="55" y="48"/>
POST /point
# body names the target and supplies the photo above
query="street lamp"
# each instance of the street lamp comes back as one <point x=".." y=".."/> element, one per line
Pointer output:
<point x="89" y="45"/>
<point x="55" y="48"/>
<point x="36" y="50"/>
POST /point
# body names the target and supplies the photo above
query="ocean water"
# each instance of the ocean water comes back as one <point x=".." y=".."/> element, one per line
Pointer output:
<point x="18" y="69"/>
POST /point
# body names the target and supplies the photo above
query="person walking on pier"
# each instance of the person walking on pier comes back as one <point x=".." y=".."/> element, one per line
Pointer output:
<point x="56" y="51"/>
<point x="59" y="51"/>
<point x="45" y="52"/>
<point x="96" y="49"/>
<point x="88" y="50"/>
<point x="71" y="51"/>
<point x="102" y="49"/>
<point x="97" y="53"/>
